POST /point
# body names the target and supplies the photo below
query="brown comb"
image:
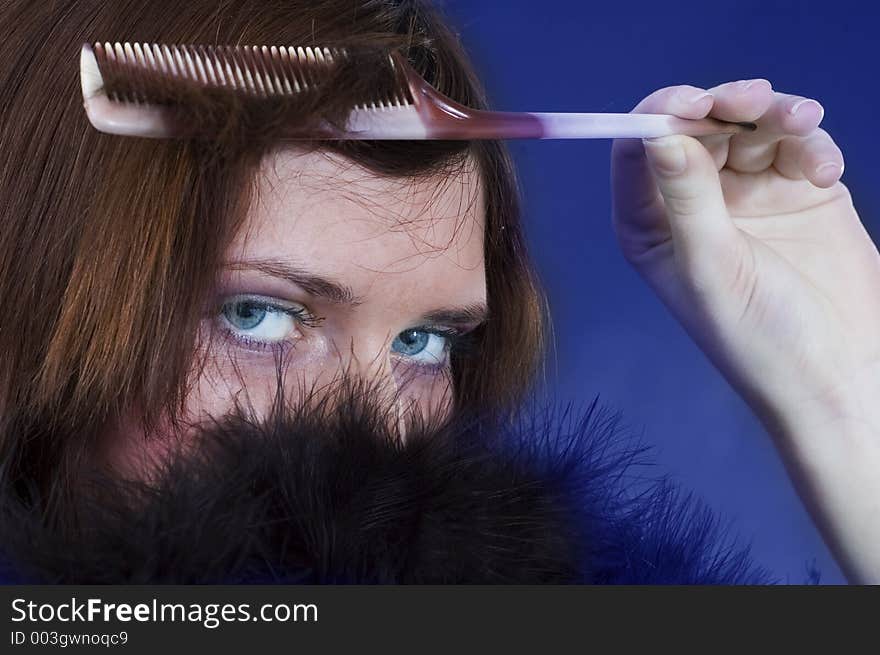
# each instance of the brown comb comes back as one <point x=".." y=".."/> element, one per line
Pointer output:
<point x="410" y="109"/>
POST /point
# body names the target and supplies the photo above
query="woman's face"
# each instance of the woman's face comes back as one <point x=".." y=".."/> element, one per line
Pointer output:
<point x="340" y="270"/>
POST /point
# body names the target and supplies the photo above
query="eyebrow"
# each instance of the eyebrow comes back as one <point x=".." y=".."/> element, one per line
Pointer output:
<point x="460" y="317"/>
<point x="342" y="294"/>
<point x="315" y="285"/>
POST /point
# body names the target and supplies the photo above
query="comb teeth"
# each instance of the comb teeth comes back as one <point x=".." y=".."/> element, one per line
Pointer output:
<point x="255" y="70"/>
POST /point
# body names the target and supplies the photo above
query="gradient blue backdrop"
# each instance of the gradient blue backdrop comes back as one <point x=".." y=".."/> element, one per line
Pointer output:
<point x="613" y="336"/>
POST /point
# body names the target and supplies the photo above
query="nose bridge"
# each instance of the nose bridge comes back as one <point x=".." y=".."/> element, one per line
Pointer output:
<point x="366" y="356"/>
<point x="373" y="362"/>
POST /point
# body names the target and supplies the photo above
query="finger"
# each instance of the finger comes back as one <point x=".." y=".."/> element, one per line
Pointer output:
<point x="682" y="100"/>
<point x="743" y="100"/>
<point x="701" y="227"/>
<point x="788" y="115"/>
<point x="636" y="204"/>
<point x="638" y="211"/>
<point x="815" y="157"/>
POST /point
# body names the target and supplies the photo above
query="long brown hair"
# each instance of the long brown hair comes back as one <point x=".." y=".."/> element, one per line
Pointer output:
<point x="109" y="245"/>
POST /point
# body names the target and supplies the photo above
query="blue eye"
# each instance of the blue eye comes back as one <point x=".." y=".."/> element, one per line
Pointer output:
<point x="245" y="315"/>
<point x="424" y="346"/>
<point x="261" y="323"/>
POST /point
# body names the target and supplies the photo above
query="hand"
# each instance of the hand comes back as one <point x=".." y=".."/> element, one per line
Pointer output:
<point x="754" y="245"/>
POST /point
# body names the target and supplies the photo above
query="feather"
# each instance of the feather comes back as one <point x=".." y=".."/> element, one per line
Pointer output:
<point x="321" y="494"/>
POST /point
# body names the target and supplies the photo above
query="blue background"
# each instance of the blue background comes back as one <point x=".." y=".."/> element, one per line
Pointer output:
<point x="613" y="337"/>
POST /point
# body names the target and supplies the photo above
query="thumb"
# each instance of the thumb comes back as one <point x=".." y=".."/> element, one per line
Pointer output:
<point x="688" y="180"/>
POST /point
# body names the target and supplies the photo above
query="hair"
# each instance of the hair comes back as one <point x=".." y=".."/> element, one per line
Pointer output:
<point x="111" y="245"/>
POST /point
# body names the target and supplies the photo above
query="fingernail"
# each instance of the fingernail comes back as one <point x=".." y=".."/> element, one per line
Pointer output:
<point x="745" y="85"/>
<point x="666" y="154"/>
<point x="800" y="103"/>
<point x="693" y="96"/>
<point x="830" y="164"/>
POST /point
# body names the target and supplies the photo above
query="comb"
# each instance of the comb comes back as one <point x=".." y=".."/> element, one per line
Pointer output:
<point x="411" y="109"/>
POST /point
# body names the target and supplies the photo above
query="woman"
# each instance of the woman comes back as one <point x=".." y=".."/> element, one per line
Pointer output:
<point x="344" y="330"/>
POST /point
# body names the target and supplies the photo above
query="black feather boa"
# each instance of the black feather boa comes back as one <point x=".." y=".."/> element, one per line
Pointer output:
<point x="316" y="496"/>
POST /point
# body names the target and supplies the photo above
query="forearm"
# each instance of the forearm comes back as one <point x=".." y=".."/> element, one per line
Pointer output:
<point x="832" y="453"/>
<point x="755" y="245"/>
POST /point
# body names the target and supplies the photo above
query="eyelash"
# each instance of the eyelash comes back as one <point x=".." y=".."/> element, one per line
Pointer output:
<point x="303" y="317"/>
<point x="458" y="342"/>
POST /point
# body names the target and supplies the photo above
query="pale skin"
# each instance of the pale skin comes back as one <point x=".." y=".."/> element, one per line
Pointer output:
<point x="384" y="269"/>
<point x="755" y="247"/>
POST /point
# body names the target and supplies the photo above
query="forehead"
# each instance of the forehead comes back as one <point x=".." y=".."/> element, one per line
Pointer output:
<point x="330" y="215"/>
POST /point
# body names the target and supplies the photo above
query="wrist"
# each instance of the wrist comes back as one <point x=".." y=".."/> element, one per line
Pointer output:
<point x="830" y="445"/>
<point x="849" y="402"/>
